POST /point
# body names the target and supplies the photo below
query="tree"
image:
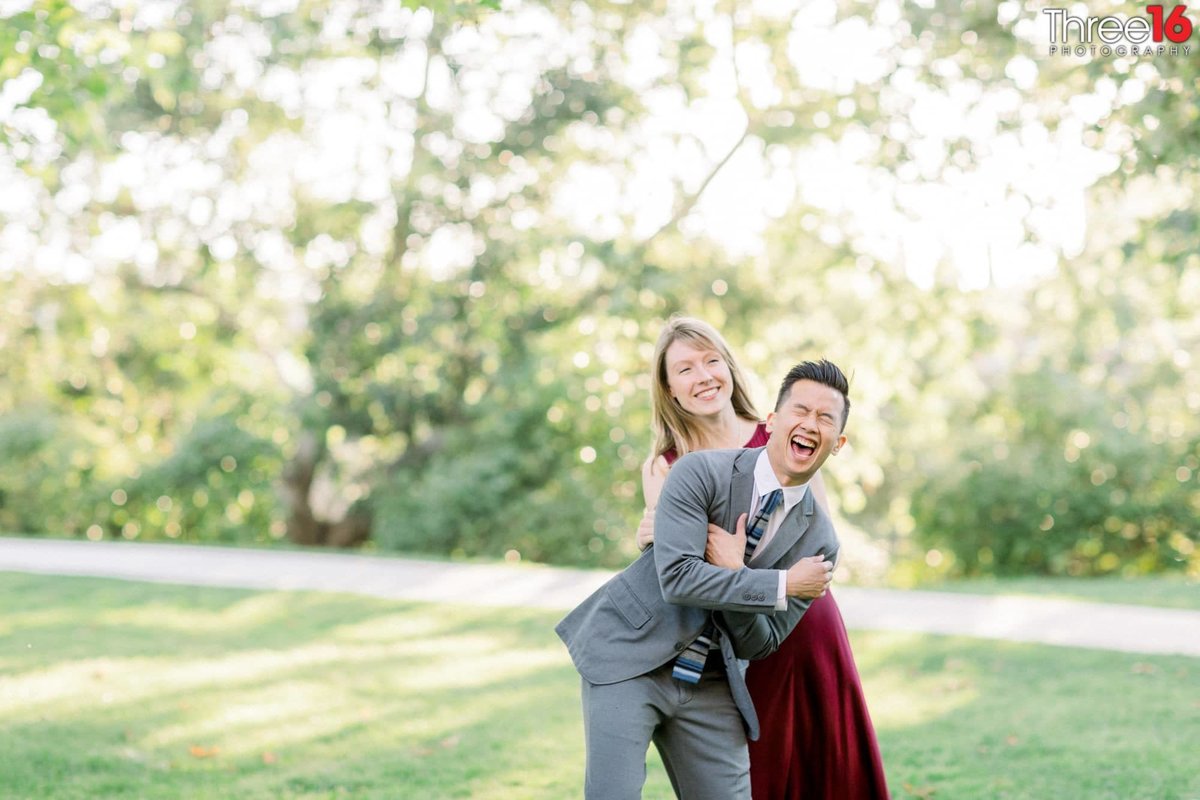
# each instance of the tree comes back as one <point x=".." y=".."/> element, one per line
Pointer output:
<point x="411" y="259"/>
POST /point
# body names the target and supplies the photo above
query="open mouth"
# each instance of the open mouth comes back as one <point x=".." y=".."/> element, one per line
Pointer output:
<point x="708" y="394"/>
<point x="803" y="447"/>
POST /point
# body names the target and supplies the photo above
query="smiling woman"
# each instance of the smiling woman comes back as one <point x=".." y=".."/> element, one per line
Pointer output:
<point x="698" y="377"/>
<point x="700" y="399"/>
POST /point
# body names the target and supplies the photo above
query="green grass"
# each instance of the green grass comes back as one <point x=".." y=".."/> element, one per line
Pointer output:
<point x="1165" y="591"/>
<point x="111" y="689"/>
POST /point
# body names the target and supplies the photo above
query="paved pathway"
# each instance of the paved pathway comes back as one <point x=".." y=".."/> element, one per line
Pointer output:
<point x="1105" y="626"/>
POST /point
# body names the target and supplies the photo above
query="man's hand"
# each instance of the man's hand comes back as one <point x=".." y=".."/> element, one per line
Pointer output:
<point x="645" y="531"/>
<point x="724" y="549"/>
<point x="809" y="577"/>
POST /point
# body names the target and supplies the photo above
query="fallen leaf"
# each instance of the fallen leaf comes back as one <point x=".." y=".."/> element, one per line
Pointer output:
<point x="199" y="751"/>
<point x="1142" y="668"/>
<point x="269" y="757"/>
<point x="924" y="793"/>
<point x="1012" y="740"/>
<point x="450" y="741"/>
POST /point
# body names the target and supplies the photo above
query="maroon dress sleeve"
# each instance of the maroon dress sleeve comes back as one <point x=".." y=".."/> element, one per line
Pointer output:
<point x="757" y="439"/>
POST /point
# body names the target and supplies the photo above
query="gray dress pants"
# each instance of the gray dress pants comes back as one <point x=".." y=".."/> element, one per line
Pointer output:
<point x="696" y="728"/>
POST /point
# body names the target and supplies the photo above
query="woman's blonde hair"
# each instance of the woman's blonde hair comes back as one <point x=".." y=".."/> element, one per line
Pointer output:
<point x="673" y="426"/>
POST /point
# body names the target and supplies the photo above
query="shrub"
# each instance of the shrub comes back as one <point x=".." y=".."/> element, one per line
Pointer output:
<point x="44" y="462"/>
<point x="216" y="486"/>
<point x="1062" y="490"/>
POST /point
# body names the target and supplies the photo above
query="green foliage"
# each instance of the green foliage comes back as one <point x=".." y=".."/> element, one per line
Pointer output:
<point x="1053" y="481"/>
<point x="434" y="318"/>
<point x="43" y="464"/>
<point x="485" y="499"/>
<point x="509" y="481"/>
<point x="217" y="486"/>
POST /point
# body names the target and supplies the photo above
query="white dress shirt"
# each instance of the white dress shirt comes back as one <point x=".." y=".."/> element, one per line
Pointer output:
<point x="765" y="482"/>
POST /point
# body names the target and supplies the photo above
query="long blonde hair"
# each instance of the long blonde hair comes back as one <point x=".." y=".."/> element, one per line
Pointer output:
<point x="673" y="426"/>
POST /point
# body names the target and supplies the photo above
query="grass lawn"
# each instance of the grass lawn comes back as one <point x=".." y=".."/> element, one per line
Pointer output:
<point x="1165" y="591"/>
<point x="111" y="689"/>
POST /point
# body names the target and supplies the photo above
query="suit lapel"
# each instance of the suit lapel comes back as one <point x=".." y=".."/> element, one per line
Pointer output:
<point x="793" y="527"/>
<point x="740" y="486"/>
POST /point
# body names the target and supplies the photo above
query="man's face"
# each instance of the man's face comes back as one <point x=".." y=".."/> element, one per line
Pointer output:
<point x="804" y="431"/>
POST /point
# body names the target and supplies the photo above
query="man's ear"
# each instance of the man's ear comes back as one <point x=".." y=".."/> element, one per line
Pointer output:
<point x="841" y="442"/>
<point x="770" y="421"/>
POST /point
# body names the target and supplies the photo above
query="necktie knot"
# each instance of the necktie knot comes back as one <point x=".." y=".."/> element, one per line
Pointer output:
<point x="769" y="503"/>
<point x="758" y="526"/>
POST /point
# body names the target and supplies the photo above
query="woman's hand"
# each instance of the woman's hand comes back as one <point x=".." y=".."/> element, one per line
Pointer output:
<point x="645" y="531"/>
<point x="725" y="549"/>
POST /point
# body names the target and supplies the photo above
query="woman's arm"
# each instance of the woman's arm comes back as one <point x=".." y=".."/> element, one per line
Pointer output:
<point x="654" y="475"/>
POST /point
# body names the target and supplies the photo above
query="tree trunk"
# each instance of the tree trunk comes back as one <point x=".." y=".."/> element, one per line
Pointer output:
<point x="303" y="526"/>
<point x="351" y="531"/>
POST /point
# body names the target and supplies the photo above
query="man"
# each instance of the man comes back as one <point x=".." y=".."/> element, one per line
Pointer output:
<point x="659" y="645"/>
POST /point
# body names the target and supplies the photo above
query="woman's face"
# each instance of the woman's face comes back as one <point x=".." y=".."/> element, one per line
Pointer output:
<point x="698" y="378"/>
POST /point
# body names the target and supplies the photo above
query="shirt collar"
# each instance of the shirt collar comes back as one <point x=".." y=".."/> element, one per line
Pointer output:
<point x="765" y="482"/>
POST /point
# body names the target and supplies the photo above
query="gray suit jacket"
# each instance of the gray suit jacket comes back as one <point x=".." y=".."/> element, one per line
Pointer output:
<point x="648" y="613"/>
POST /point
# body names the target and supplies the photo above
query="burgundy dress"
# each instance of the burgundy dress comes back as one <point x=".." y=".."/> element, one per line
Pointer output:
<point x="817" y="739"/>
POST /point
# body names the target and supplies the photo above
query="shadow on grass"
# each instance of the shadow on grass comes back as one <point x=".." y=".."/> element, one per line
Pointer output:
<point x="149" y="691"/>
<point x="127" y="689"/>
<point x="960" y="717"/>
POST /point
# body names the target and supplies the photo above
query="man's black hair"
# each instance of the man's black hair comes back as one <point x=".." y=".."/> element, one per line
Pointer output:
<point x="823" y="372"/>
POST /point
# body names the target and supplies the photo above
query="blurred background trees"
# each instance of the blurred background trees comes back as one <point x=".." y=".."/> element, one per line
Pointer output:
<point x="376" y="272"/>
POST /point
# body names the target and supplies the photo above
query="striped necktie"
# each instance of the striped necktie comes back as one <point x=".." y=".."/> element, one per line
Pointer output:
<point x="690" y="663"/>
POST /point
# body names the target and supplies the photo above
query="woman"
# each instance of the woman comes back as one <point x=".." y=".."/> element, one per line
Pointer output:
<point x="817" y="740"/>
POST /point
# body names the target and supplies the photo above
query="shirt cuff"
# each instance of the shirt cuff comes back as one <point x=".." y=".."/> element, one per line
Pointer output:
<point x="781" y="596"/>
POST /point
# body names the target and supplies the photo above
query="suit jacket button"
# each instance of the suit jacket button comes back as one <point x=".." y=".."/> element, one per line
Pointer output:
<point x="679" y="645"/>
<point x="746" y="596"/>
